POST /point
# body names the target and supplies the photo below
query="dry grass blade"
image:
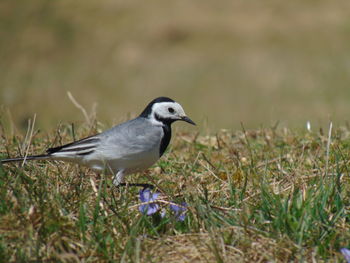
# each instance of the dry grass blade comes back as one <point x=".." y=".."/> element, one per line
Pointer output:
<point x="81" y="108"/>
<point x="28" y="138"/>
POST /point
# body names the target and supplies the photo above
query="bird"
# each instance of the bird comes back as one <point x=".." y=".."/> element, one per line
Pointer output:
<point x="127" y="148"/>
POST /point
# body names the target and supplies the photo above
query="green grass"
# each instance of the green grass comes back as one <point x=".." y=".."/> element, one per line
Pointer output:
<point x="266" y="195"/>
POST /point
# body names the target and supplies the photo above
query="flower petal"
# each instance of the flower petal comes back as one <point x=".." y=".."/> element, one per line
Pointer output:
<point x="175" y="208"/>
<point x="180" y="211"/>
<point x="182" y="217"/>
<point x="145" y="195"/>
<point x="346" y="254"/>
<point x="149" y="209"/>
<point x="179" y="208"/>
<point x="154" y="196"/>
<point x="153" y="208"/>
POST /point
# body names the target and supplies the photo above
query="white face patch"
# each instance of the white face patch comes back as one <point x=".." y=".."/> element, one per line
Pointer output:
<point x="168" y="110"/>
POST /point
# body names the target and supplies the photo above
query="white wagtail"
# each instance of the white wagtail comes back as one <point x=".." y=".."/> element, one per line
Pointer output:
<point x="126" y="148"/>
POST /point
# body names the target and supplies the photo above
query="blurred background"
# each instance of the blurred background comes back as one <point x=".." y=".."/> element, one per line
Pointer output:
<point x="226" y="62"/>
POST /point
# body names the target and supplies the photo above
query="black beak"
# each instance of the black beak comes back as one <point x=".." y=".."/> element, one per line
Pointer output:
<point x="186" y="119"/>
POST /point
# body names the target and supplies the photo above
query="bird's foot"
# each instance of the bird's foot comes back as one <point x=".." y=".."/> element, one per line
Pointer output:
<point x="144" y="186"/>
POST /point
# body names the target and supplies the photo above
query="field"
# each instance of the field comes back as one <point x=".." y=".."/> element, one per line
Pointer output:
<point x="259" y="185"/>
<point x="224" y="61"/>
<point x="265" y="195"/>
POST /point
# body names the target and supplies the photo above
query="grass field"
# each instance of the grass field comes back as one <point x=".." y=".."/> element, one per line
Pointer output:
<point x="265" y="195"/>
<point x="267" y="190"/>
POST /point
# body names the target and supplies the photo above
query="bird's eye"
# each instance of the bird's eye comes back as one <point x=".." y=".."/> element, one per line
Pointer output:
<point x="171" y="110"/>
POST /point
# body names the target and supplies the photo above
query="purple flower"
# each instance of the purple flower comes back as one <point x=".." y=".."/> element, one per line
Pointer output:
<point x="147" y="196"/>
<point x="180" y="211"/>
<point x="151" y="206"/>
<point x="346" y="254"/>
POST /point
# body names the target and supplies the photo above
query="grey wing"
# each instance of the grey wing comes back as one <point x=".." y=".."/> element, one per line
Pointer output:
<point x="131" y="138"/>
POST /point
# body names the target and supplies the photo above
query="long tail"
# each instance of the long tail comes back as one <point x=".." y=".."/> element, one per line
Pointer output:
<point x="28" y="158"/>
<point x="71" y="151"/>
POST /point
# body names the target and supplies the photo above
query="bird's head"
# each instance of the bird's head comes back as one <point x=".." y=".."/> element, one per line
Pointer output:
<point x="165" y="110"/>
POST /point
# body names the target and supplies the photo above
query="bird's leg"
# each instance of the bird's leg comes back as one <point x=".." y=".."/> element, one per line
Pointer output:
<point x="118" y="181"/>
<point x="144" y="186"/>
